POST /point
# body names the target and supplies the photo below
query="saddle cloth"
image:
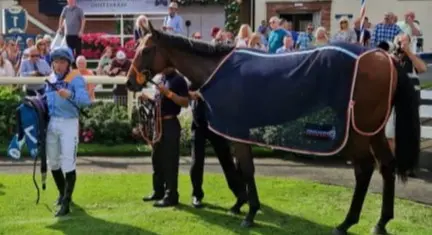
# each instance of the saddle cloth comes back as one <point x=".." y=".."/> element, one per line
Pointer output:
<point x="296" y="102"/>
<point x="32" y="120"/>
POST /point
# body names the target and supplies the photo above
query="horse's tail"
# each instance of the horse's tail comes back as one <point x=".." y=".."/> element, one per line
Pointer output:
<point x="407" y="130"/>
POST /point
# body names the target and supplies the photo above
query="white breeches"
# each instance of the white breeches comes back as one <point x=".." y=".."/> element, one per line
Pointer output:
<point x="61" y="143"/>
<point x="390" y="126"/>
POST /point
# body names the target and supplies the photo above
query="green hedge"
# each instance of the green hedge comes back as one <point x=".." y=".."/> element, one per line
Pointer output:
<point x="111" y="129"/>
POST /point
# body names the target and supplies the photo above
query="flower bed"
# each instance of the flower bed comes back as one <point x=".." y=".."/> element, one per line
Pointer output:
<point x="93" y="45"/>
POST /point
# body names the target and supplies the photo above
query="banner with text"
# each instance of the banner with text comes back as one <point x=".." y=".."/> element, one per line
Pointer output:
<point x="98" y="7"/>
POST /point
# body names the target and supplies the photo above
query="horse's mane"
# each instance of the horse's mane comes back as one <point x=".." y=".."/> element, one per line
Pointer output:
<point x="198" y="47"/>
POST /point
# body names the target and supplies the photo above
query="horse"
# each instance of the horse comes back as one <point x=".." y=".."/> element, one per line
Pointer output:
<point x="380" y="84"/>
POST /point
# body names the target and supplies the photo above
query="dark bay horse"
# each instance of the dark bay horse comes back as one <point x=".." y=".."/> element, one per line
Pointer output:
<point x="380" y="84"/>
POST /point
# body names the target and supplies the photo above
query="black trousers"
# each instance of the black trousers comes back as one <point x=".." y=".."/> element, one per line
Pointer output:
<point x="74" y="43"/>
<point x="165" y="160"/>
<point x="222" y="149"/>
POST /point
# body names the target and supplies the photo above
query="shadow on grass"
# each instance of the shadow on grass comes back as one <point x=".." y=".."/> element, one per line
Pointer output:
<point x="79" y="222"/>
<point x="1" y="189"/>
<point x="268" y="221"/>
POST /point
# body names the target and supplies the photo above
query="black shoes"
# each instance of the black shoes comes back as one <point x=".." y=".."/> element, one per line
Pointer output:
<point x="197" y="202"/>
<point x="166" y="202"/>
<point x="152" y="197"/>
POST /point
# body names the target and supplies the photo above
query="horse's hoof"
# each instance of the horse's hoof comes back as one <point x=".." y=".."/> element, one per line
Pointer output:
<point x="246" y="224"/>
<point x="337" y="231"/>
<point x="377" y="230"/>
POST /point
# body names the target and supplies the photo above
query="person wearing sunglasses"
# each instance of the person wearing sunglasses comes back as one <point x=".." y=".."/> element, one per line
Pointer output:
<point x="345" y="34"/>
<point x="34" y="66"/>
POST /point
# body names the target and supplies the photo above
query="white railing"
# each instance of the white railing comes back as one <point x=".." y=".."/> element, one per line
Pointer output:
<point x="90" y="79"/>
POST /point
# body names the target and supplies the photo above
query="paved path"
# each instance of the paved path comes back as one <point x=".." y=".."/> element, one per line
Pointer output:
<point x="419" y="190"/>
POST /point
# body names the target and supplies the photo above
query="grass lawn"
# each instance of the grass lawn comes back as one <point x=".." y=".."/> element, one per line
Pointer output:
<point x="111" y="204"/>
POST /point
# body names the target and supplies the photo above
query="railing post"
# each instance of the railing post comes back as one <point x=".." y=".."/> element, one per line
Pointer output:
<point x="130" y="103"/>
<point x="122" y="30"/>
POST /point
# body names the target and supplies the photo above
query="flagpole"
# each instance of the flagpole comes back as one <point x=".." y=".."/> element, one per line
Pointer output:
<point x="362" y="22"/>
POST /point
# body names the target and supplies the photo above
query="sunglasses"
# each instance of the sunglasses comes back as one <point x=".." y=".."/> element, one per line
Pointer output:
<point x="35" y="55"/>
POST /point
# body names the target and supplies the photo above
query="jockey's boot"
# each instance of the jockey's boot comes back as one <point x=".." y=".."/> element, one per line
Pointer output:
<point x="60" y="183"/>
<point x="65" y="204"/>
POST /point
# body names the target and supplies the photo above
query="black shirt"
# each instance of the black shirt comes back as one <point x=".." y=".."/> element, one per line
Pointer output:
<point x="176" y="84"/>
<point x="366" y="36"/>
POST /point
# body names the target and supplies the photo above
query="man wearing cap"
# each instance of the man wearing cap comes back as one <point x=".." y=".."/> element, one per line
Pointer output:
<point x="62" y="131"/>
<point x="173" y="22"/>
<point x="119" y="67"/>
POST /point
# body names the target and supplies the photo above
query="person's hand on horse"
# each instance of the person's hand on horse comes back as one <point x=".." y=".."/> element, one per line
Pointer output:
<point x="194" y="95"/>
<point x="64" y="93"/>
<point x="163" y="90"/>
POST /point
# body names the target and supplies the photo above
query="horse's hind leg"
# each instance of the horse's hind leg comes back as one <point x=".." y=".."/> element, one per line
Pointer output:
<point x="384" y="155"/>
<point x="243" y="153"/>
<point x="363" y="163"/>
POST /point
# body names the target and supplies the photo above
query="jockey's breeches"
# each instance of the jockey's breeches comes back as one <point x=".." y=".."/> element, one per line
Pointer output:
<point x="61" y="143"/>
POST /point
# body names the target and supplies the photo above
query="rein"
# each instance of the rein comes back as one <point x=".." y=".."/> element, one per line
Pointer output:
<point x="149" y="120"/>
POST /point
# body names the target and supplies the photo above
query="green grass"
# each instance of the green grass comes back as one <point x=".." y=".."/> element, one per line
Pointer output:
<point x="132" y="150"/>
<point x="111" y="204"/>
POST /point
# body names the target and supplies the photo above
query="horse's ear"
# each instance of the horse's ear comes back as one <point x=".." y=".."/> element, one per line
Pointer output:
<point x="150" y="25"/>
<point x="153" y="31"/>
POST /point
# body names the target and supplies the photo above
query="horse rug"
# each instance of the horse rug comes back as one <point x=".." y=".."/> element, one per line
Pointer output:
<point x="32" y="121"/>
<point x="297" y="102"/>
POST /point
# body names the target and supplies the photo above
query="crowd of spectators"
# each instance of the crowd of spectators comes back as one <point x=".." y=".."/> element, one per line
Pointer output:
<point x="275" y="36"/>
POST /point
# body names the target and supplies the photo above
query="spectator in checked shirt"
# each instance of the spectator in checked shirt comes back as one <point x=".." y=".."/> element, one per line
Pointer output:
<point x="305" y="39"/>
<point x="385" y="31"/>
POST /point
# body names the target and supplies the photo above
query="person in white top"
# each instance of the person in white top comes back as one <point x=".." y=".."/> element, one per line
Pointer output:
<point x="243" y="36"/>
<point x="6" y="68"/>
<point x="410" y="27"/>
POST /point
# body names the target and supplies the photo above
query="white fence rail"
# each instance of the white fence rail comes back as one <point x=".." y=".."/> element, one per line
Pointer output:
<point x="99" y="80"/>
<point x="425" y="107"/>
<point x="426" y="113"/>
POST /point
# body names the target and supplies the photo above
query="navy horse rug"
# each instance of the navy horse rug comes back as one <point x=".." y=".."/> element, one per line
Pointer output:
<point x="297" y="102"/>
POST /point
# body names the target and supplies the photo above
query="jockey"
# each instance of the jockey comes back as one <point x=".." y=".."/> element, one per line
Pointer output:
<point x="62" y="132"/>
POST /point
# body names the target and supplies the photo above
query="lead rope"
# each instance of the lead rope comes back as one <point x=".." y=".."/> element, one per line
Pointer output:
<point x="155" y="119"/>
<point x="352" y="103"/>
<point x="35" y="181"/>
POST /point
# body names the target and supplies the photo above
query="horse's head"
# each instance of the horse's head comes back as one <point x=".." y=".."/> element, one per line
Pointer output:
<point x="150" y="59"/>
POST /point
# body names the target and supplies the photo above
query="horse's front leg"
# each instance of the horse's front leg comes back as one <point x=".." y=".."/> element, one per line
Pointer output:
<point x="243" y="153"/>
